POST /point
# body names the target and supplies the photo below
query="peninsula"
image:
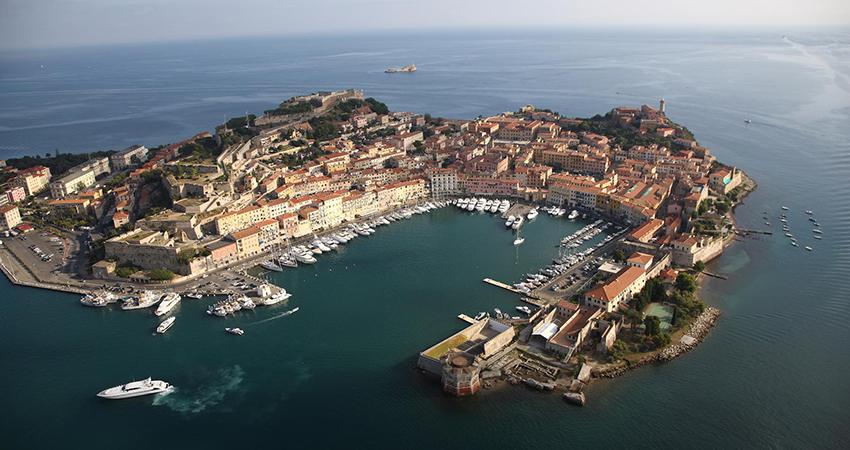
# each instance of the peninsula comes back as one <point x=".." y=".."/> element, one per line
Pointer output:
<point x="147" y="225"/>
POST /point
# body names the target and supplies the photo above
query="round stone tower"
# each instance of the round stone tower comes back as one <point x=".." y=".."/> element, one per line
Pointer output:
<point x="461" y="375"/>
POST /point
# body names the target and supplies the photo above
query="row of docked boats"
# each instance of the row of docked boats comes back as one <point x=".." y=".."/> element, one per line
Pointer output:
<point x="567" y="261"/>
<point x="490" y="205"/>
<point x="234" y="303"/>
<point x="306" y="253"/>
<point x="558" y="212"/>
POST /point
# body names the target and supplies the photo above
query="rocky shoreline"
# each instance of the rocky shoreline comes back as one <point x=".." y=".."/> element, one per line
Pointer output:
<point x="698" y="330"/>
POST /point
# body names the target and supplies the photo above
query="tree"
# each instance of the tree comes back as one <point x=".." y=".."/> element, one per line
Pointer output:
<point x="686" y="282"/>
<point x="652" y="326"/>
<point x="161" y="274"/>
<point x="699" y="266"/>
<point x="390" y="163"/>
<point x="619" y="256"/>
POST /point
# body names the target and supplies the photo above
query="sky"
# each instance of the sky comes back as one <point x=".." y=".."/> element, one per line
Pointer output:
<point x="63" y="23"/>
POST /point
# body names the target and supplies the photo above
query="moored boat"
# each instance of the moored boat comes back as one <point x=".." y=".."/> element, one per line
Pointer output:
<point x="165" y="325"/>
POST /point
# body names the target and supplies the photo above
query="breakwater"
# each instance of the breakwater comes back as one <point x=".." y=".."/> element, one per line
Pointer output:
<point x="695" y="334"/>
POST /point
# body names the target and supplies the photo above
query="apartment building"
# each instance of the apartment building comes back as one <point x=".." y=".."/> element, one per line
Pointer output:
<point x="130" y="157"/>
<point x="33" y="180"/>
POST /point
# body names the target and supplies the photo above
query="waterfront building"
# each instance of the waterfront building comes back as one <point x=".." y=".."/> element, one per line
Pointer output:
<point x="150" y="250"/>
<point x="444" y="182"/>
<point x="481" y="340"/>
<point x="611" y="294"/>
<point x="724" y="180"/>
<point x="646" y="232"/>
<point x="247" y="242"/>
<point x="573" y="332"/>
<point x="33" y="180"/>
<point x="461" y="375"/>
<point x="132" y="156"/>
<point x="11" y="216"/>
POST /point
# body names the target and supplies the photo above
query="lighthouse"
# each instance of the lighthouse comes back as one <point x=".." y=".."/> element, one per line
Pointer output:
<point x="661" y="106"/>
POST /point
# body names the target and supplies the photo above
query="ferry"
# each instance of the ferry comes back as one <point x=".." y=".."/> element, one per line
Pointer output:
<point x="169" y="301"/>
<point x="410" y="68"/>
<point x="136" y="389"/>
<point x="146" y="300"/>
<point x="165" y="325"/>
<point x="236" y="331"/>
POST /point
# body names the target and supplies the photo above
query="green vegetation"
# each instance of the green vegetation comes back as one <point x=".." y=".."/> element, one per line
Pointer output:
<point x="200" y="150"/>
<point x="289" y="108"/>
<point x="188" y="254"/>
<point x="58" y="164"/>
<point x="125" y="270"/>
<point x="377" y="107"/>
<point x="161" y="274"/>
<point x="699" y="266"/>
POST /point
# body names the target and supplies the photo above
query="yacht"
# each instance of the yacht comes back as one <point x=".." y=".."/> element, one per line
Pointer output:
<point x="169" y="301"/>
<point x="276" y="298"/>
<point x="195" y="295"/>
<point x="524" y="309"/>
<point x="573" y="215"/>
<point x="816" y="231"/>
<point x="287" y="261"/>
<point x="809" y="212"/>
<point x="98" y="300"/>
<point x="304" y="258"/>
<point x="247" y="303"/>
<point x="519" y="241"/>
<point x="494" y="208"/>
<point x="817" y="237"/>
<point x="510" y="221"/>
<point x="794" y="243"/>
<point x="471" y="206"/>
<point x="808" y="248"/>
<point x="504" y="206"/>
<point x="146" y="300"/>
<point x="135" y="389"/>
<point x="517" y="223"/>
<point x="785" y="208"/>
<point x="532" y="214"/>
<point x="236" y="331"/>
<point x="165" y="325"/>
<point x="270" y="265"/>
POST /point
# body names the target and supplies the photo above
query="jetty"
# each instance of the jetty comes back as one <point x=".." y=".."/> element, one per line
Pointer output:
<point x="502" y="285"/>
<point x="466" y="318"/>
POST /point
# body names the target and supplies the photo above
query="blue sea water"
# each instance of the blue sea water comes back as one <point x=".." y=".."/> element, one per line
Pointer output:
<point x="772" y="374"/>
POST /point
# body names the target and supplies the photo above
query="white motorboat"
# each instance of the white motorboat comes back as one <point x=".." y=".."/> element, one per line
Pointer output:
<point x="808" y="248"/>
<point x="165" y="325"/>
<point x="517" y="223"/>
<point x="304" y="258"/>
<point x="532" y="214"/>
<point x="135" y="389"/>
<point x="98" y="300"/>
<point x="277" y="298"/>
<point x="524" y="309"/>
<point x="816" y="231"/>
<point x="287" y="261"/>
<point x="573" y="215"/>
<point x="785" y="208"/>
<point x="146" y="300"/>
<point x="510" y="221"/>
<point x="519" y="241"/>
<point x="270" y="265"/>
<point x="169" y="301"/>
<point x="236" y="331"/>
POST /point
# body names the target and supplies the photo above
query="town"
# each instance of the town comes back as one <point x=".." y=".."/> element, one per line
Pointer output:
<point x="274" y="189"/>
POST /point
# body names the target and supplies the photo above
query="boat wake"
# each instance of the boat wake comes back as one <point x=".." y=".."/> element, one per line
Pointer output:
<point x="274" y="317"/>
<point x="186" y="401"/>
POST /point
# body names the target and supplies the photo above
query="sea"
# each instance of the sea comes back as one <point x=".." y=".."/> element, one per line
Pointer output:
<point x="340" y="373"/>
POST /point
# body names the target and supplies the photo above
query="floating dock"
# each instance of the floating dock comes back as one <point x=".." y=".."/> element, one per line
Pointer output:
<point x="502" y="285"/>
<point x="466" y="318"/>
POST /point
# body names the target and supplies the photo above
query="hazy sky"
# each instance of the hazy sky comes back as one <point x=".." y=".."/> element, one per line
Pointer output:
<point x="52" y="23"/>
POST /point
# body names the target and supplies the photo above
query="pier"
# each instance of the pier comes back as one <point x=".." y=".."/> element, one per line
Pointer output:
<point x="502" y="285"/>
<point x="466" y="318"/>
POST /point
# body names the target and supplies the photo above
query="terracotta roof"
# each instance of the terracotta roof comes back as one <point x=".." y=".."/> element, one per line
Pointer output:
<point x="622" y="280"/>
<point x="640" y="258"/>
